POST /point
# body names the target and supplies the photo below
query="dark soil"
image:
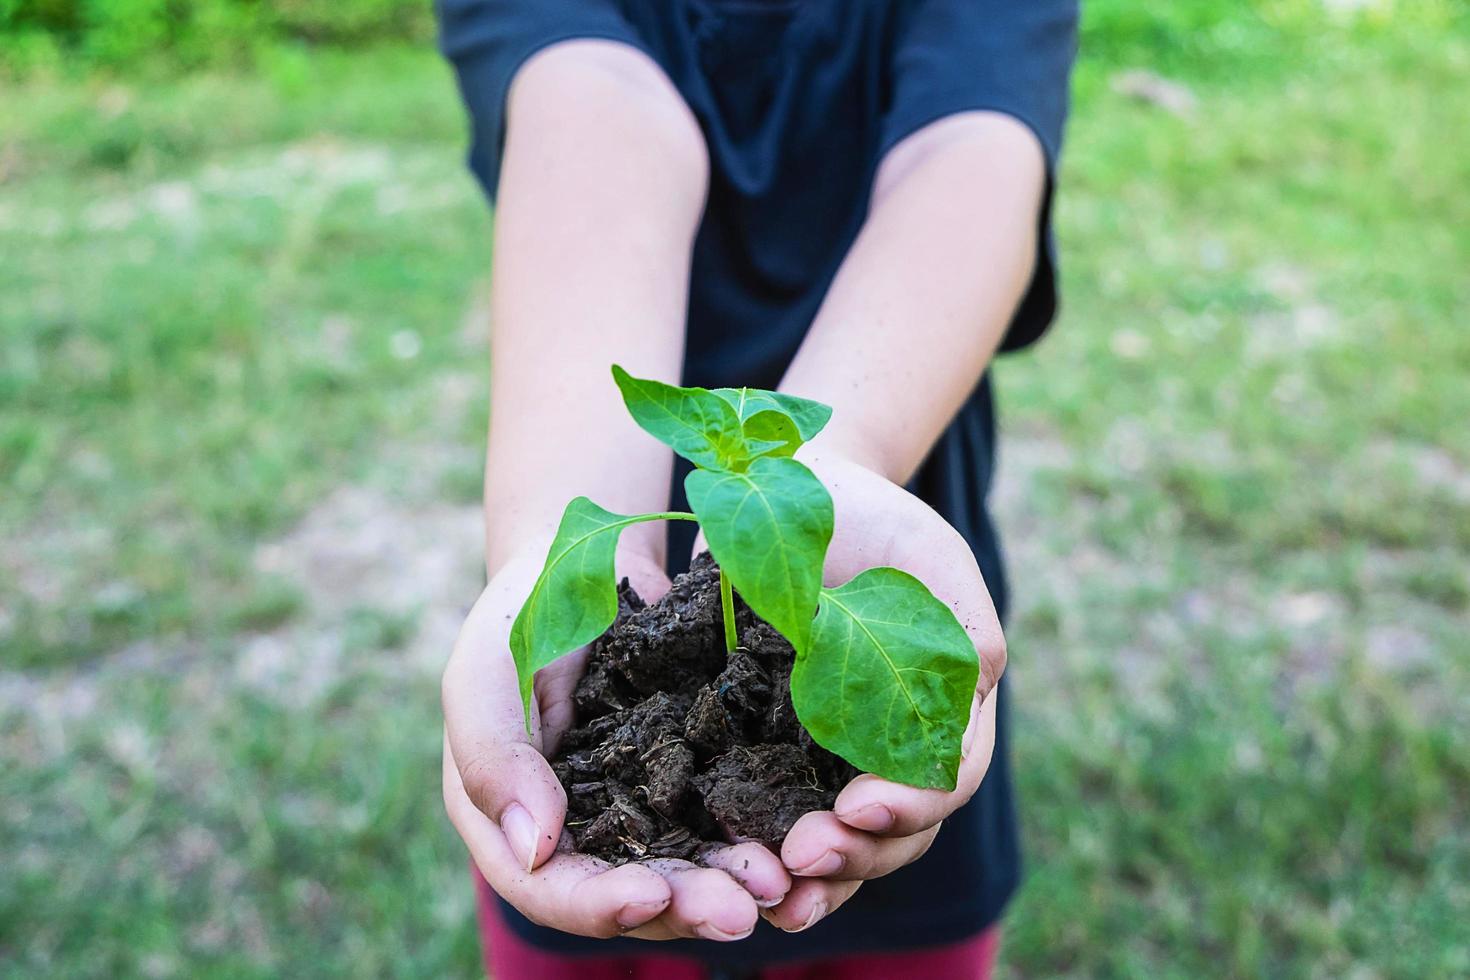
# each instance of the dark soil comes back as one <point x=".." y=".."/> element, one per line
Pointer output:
<point x="678" y="743"/>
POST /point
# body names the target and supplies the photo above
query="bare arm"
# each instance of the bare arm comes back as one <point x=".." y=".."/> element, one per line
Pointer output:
<point x="601" y="191"/>
<point x="911" y="321"/>
<point x="924" y="296"/>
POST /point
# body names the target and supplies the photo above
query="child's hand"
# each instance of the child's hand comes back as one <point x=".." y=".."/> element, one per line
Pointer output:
<point x="506" y="803"/>
<point x="877" y="826"/>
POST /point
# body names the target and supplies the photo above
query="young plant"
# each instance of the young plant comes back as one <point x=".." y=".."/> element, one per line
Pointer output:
<point x="884" y="672"/>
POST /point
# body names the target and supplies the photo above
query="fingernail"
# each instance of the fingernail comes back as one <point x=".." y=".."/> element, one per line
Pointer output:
<point x="634" y="914"/>
<point x="875" y="817"/>
<point x="706" y="931"/>
<point x="522" y="832"/>
<point x="828" y="864"/>
<point x="812" y="917"/>
<point x="768" y="903"/>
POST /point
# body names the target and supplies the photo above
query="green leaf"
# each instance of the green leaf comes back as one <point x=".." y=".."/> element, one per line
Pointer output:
<point x="772" y="433"/>
<point x="768" y="528"/>
<point x="808" y="416"/>
<point x="888" y="680"/>
<point x="575" y="597"/>
<point x="694" y="422"/>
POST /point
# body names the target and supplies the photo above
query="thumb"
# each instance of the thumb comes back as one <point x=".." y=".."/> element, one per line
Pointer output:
<point x="503" y="771"/>
<point x="512" y="784"/>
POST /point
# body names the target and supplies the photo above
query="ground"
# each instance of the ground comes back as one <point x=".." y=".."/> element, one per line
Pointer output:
<point x="241" y="403"/>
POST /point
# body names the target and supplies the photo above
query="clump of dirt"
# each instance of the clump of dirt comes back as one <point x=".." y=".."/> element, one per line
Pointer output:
<point x="678" y="743"/>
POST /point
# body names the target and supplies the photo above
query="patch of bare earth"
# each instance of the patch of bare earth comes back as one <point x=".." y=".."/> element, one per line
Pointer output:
<point x="362" y="551"/>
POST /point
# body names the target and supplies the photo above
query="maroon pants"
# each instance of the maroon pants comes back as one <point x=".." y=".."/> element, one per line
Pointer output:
<point x="507" y="957"/>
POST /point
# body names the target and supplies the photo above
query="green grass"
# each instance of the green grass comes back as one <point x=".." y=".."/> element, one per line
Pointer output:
<point x="207" y="324"/>
<point x="240" y="413"/>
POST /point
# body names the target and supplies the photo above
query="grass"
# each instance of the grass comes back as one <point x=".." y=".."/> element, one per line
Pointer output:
<point x="240" y="406"/>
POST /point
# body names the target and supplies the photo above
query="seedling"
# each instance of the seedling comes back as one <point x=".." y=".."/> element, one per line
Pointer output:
<point x="884" y="672"/>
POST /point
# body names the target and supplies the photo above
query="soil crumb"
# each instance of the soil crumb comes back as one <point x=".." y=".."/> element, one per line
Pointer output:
<point x="678" y="743"/>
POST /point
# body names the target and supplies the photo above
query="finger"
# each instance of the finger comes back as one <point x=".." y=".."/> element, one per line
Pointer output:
<point x="757" y="870"/>
<point x="821" y="846"/>
<point x="705" y="903"/>
<point x="809" y="901"/>
<point x="554" y="705"/>
<point x="570" y="892"/>
<point x="891" y="809"/>
<point x="700" y="545"/>
<point x="503" y="772"/>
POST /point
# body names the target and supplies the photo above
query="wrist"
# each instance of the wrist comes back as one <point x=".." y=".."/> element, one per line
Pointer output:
<point x="851" y="446"/>
<point x="640" y="546"/>
<point x="524" y="502"/>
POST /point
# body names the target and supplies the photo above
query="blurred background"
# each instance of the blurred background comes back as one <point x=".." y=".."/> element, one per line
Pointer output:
<point x="242" y="398"/>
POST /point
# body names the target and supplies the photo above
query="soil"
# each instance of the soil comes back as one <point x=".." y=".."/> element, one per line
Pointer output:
<point x="678" y="743"/>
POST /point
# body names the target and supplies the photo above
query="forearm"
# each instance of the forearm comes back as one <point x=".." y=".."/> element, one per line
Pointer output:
<point x="601" y="190"/>
<point x="924" y="296"/>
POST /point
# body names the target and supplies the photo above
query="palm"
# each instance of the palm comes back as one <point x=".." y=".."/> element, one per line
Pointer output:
<point x="489" y="769"/>
<point x="880" y="523"/>
<point x="877" y="826"/>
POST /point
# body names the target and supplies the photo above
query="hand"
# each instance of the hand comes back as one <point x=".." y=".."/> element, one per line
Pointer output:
<point x="876" y="826"/>
<point x="507" y="805"/>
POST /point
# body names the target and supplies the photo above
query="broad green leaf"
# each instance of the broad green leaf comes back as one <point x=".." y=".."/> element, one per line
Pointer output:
<point x="768" y="528"/>
<point x="693" y="422"/>
<point x="888" y="679"/>
<point x="575" y="597"/>
<point x="772" y="433"/>
<point x="809" y="416"/>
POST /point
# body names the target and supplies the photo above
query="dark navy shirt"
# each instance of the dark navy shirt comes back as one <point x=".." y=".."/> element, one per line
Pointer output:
<point x="798" y="101"/>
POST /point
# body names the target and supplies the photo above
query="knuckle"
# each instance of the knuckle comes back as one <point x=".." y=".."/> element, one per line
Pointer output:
<point x="999" y="655"/>
<point x="575" y="913"/>
<point x="993" y="659"/>
<point x="480" y="776"/>
<point x="565" y="920"/>
<point x="535" y="914"/>
<point x="454" y="798"/>
<point x="867" y="864"/>
<point x="923" y="819"/>
<point x="926" y="841"/>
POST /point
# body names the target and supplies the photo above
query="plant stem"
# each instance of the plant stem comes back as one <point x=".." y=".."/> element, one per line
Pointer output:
<point x="727" y="604"/>
<point x="668" y="515"/>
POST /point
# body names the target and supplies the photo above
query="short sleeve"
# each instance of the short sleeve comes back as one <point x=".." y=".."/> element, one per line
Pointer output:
<point x="487" y="41"/>
<point x="1008" y="56"/>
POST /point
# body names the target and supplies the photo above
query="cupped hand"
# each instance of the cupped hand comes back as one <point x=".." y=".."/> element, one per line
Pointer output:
<point x="509" y="808"/>
<point x="877" y="826"/>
